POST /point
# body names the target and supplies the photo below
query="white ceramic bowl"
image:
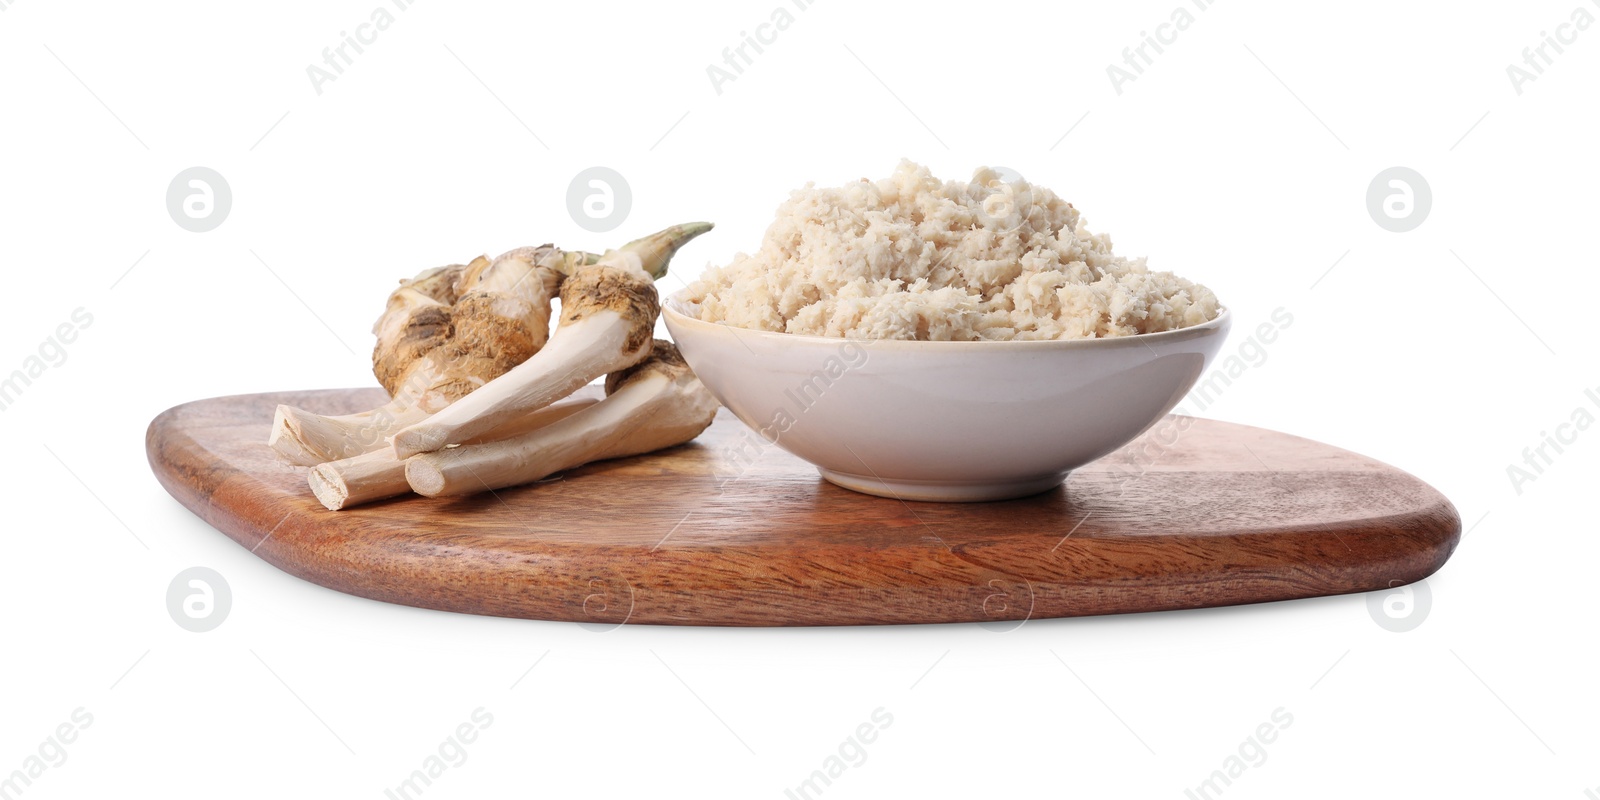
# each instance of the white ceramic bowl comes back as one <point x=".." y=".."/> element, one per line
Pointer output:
<point x="945" y="421"/>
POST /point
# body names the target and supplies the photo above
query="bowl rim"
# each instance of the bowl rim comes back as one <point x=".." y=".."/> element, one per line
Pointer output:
<point x="670" y="311"/>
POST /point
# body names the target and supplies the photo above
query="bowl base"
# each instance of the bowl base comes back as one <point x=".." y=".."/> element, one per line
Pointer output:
<point x="941" y="491"/>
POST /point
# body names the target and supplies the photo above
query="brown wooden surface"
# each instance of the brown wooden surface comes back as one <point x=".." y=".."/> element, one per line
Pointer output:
<point x="1229" y="514"/>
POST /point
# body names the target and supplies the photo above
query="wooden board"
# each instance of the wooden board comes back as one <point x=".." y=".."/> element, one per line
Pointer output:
<point x="704" y="535"/>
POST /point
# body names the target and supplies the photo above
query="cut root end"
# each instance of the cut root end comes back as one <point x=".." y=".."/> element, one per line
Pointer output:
<point x="422" y="438"/>
<point x="425" y="478"/>
<point x="285" y="440"/>
<point x="328" y="487"/>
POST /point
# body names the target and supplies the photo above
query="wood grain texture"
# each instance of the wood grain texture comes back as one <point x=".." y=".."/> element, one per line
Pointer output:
<point x="725" y="532"/>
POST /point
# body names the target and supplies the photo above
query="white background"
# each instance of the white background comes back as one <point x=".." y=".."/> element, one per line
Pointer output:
<point x="1240" y="158"/>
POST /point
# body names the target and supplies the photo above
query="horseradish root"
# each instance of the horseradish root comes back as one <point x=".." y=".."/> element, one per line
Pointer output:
<point x="608" y="314"/>
<point x="379" y="474"/>
<point x="443" y="333"/>
<point x="654" y="404"/>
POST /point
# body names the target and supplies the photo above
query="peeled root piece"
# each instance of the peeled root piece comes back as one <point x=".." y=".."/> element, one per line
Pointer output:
<point x="563" y="367"/>
<point x="360" y="479"/>
<point x="379" y="474"/>
<point x="656" y="404"/>
<point x="304" y="439"/>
